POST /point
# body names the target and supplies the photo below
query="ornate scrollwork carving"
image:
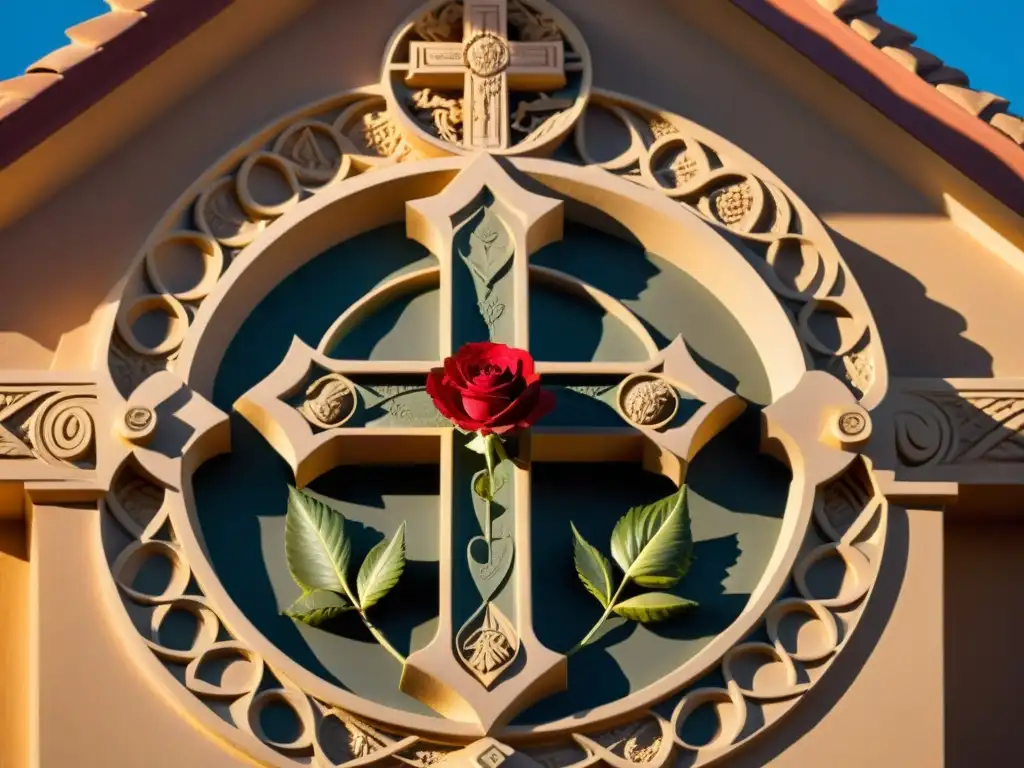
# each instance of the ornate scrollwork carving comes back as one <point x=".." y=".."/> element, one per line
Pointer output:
<point x="293" y="160"/>
<point x="964" y="427"/>
<point x="51" y="424"/>
<point x="784" y="242"/>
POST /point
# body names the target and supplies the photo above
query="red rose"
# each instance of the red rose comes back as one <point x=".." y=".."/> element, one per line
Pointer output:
<point x="489" y="388"/>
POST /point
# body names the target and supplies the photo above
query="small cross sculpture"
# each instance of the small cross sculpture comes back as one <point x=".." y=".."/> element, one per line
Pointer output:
<point x="485" y="664"/>
<point x="487" y="65"/>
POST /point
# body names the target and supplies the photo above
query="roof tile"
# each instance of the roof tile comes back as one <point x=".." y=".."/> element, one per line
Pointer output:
<point x="975" y="102"/>
<point x="100" y="30"/>
<point x="62" y="59"/>
<point x="918" y="61"/>
<point x="9" y="104"/>
<point x="1011" y="125"/>
<point x="846" y="8"/>
<point x="896" y="43"/>
<point x="129" y="5"/>
<point x="879" y="32"/>
<point x="28" y="86"/>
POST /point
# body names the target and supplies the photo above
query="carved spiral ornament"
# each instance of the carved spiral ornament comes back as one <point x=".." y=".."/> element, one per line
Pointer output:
<point x="62" y="428"/>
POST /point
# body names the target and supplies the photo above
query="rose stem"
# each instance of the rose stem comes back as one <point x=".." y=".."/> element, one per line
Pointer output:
<point x="381" y="639"/>
<point x="377" y="634"/>
<point x="600" y="622"/>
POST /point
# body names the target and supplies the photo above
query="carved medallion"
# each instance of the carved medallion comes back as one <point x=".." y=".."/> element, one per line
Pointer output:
<point x="486" y="55"/>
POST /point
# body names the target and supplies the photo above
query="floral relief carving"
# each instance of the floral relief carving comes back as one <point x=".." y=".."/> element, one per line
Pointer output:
<point x="444" y="112"/>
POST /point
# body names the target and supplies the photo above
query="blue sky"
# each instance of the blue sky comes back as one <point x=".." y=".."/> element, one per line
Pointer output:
<point x="985" y="38"/>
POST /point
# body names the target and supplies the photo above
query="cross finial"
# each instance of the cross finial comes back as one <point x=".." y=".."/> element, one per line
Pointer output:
<point x="487" y="65"/>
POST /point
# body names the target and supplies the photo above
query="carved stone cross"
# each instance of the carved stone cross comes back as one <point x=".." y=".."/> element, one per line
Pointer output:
<point x="485" y="664"/>
<point x="487" y="66"/>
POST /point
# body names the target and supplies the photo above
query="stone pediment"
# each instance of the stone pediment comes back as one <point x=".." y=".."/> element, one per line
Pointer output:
<point x="481" y="415"/>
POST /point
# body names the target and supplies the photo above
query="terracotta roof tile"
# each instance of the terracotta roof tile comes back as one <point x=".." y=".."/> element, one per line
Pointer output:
<point x="1011" y="125"/>
<point x="100" y="30"/>
<point x="129" y="5"/>
<point x="876" y="30"/>
<point x="862" y="18"/>
<point x="9" y="104"/>
<point x="62" y="59"/>
<point x="25" y="87"/>
<point x="87" y="38"/>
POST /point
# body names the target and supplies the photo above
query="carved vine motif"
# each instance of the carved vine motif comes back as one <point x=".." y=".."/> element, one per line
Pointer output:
<point x="444" y="112"/>
<point x="49" y="424"/>
<point x="850" y="522"/>
<point x="795" y="256"/>
<point x="440" y="25"/>
<point x="532" y="26"/>
<point x="960" y="427"/>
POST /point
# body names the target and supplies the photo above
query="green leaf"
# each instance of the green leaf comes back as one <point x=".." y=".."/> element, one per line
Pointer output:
<point x="653" y="606"/>
<point x="652" y="544"/>
<point x="478" y="445"/>
<point x="316" y="607"/>
<point x="315" y="544"/>
<point x="482" y="487"/>
<point x="381" y="569"/>
<point x="593" y="568"/>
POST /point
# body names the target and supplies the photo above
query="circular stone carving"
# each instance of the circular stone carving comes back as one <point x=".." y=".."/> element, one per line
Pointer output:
<point x="486" y="55"/>
<point x="62" y="428"/>
<point x="852" y="423"/>
<point x="138" y="423"/>
<point x="330" y="401"/>
<point x="438" y="111"/>
<point x="647" y="400"/>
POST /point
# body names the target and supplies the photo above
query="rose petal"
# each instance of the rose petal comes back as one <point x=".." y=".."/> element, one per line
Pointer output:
<point x="520" y="413"/>
<point x="446" y="399"/>
<point x="483" y="408"/>
<point x="453" y="373"/>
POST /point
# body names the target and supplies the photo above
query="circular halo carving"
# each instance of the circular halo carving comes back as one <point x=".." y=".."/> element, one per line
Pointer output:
<point x="647" y="400"/>
<point x="846" y="512"/>
<point x="510" y="77"/>
<point x="138" y="424"/>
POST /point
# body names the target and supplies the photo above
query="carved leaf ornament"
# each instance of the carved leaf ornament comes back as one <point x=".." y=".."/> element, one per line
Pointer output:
<point x="653" y="546"/>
